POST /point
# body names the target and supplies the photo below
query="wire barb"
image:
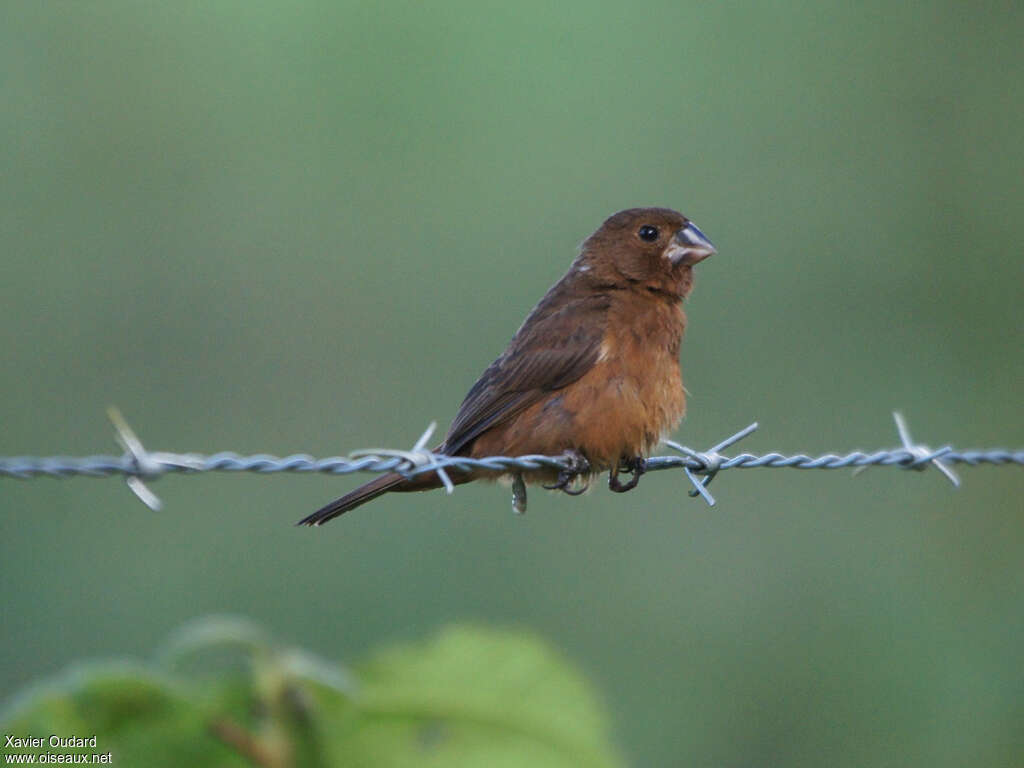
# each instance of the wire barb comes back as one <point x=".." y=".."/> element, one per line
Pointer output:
<point x="922" y="454"/>
<point x="142" y="464"/>
<point x="709" y="463"/>
<point x="139" y="466"/>
<point x="518" y="494"/>
<point x="417" y="458"/>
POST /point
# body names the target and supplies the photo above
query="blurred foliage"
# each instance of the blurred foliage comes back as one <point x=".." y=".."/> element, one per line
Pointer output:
<point x="224" y="695"/>
<point x="308" y="227"/>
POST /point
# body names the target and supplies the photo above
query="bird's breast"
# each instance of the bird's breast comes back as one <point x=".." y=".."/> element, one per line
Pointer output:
<point x="633" y="396"/>
<point x="628" y="400"/>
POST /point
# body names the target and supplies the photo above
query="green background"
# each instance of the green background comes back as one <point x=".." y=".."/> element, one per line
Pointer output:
<point x="307" y="227"/>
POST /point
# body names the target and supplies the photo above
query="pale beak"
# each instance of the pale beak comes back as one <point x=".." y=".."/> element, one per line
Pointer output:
<point x="689" y="246"/>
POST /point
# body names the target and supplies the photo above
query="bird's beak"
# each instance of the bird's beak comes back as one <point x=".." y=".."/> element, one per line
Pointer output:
<point x="689" y="246"/>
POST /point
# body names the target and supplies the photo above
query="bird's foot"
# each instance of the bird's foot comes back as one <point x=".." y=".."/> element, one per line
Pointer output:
<point x="578" y="465"/>
<point x="635" y="466"/>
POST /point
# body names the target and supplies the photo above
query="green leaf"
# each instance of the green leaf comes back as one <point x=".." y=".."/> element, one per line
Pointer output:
<point x="475" y="696"/>
<point x="469" y="697"/>
<point x="137" y="715"/>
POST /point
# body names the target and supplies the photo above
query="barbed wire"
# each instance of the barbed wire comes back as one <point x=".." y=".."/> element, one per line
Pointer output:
<point x="139" y="465"/>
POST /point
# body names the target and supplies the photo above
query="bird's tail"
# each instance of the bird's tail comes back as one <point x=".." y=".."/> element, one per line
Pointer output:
<point x="360" y="495"/>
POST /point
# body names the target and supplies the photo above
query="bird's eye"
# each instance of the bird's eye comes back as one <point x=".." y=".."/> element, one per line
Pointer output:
<point x="648" y="233"/>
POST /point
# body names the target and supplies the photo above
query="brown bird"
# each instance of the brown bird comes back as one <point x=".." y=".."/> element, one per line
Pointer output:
<point x="593" y="372"/>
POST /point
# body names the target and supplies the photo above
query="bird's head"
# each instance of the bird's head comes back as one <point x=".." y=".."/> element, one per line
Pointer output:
<point x="645" y="247"/>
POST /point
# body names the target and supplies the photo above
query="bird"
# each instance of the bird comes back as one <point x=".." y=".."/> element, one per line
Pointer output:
<point x="592" y="374"/>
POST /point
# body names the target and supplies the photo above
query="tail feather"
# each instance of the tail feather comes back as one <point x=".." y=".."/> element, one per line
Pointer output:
<point x="360" y="495"/>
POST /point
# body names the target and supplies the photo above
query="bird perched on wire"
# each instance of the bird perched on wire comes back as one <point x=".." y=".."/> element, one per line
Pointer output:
<point x="592" y="373"/>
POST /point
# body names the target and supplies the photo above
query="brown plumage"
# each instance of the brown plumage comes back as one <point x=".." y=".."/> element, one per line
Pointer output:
<point x="593" y="372"/>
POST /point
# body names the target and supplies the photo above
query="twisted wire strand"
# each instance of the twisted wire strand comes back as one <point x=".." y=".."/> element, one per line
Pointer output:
<point x="27" y="467"/>
<point x="139" y="465"/>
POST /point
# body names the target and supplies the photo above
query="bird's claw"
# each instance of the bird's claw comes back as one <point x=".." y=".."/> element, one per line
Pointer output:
<point x="562" y="484"/>
<point x="636" y="466"/>
<point x="578" y="465"/>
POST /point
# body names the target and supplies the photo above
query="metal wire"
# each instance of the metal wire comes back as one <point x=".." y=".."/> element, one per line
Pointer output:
<point x="139" y="465"/>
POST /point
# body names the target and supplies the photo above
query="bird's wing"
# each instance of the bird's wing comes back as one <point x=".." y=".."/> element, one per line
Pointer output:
<point x="554" y="348"/>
